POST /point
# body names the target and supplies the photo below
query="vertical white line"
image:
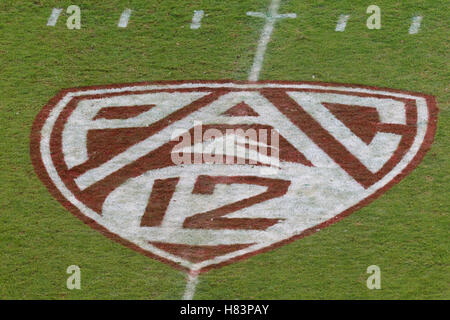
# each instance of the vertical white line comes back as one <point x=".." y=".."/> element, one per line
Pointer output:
<point x="197" y="18"/>
<point x="342" y="22"/>
<point x="124" y="18"/>
<point x="192" y="277"/>
<point x="415" y="25"/>
<point x="54" y="17"/>
<point x="192" y="280"/>
<point x="264" y="40"/>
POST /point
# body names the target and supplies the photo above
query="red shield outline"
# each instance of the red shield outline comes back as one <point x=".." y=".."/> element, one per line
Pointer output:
<point x="41" y="170"/>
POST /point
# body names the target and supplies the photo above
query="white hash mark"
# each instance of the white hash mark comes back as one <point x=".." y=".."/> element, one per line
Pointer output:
<point x="415" y="25"/>
<point x="197" y="19"/>
<point x="54" y="17"/>
<point x="342" y="22"/>
<point x="124" y="18"/>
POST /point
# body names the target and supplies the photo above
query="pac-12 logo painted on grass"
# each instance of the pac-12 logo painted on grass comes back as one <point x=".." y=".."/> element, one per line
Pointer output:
<point x="200" y="174"/>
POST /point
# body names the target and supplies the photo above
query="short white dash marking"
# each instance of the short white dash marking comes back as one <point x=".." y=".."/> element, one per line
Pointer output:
<point x="192" y="280"/>
<point x="54" y="17"/>
<point x="286" y="15"/>
<point x="415" y="25"/>
<point x="197" y="19"/>
<point x="124" y="18"/>
<point x="256" y="14"/>
<point x="342" y="22"/>
<point x="271" y="18"/>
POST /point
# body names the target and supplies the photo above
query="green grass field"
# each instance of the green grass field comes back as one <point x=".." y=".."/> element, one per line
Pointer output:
<point x="405" y="232"/>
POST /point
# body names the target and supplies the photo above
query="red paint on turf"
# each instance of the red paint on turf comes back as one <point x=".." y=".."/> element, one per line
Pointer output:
<point x="158" y="203"/>
<point x="214" y="219"/>
<point x="241" y="110"/>
<point x="362" y="121"/>
<point x="122" y="112"/>
<point x="199" y="253"/>
<point x="289" y="107"/>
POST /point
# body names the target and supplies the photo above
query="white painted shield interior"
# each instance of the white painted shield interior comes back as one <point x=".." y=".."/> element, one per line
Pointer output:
<point x="315" y="195"/>
<point x="383" y="145"/>
<point x="80" y="121"/>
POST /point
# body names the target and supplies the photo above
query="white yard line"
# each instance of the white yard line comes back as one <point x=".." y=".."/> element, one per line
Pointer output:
<point x="415" y="25"/>
<point x="54" y="17"/>
<point x="124" y="18"/>
<point x="197" y="19"/>
<point x="342" y="22"/>
<point x="192" y="280"/>
<point x="271" y="18"/>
